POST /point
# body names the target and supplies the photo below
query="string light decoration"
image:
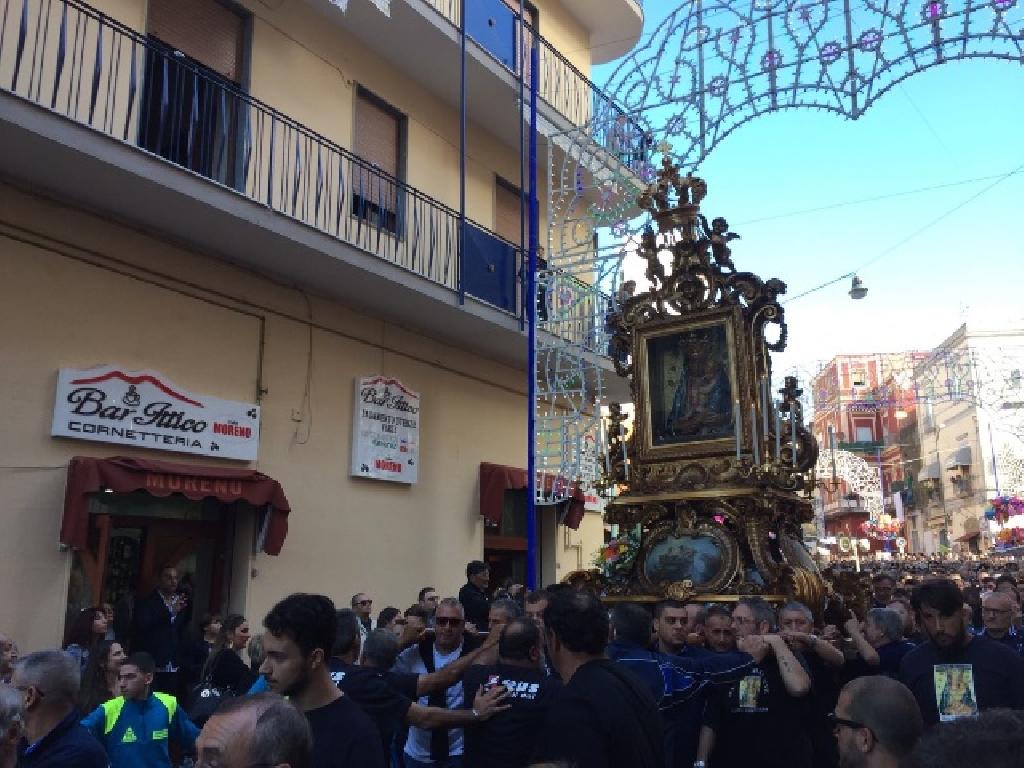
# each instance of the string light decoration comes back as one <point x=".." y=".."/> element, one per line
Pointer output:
<point x="714" y="66"/>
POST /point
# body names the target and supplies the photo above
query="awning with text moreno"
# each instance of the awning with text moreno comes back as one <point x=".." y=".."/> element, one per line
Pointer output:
<point x="121" y="474"/>
<point x="495" y="479"/>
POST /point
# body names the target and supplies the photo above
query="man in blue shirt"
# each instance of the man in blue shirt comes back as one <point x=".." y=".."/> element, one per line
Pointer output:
<point x="53" y="738"/>
<point x="136" y="727"/>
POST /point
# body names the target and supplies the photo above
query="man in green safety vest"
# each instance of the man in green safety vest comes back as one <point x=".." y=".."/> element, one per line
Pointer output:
<point x="135" y="728"/>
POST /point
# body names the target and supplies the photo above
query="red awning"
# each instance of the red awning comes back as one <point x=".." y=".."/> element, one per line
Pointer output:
<point x="164" y="478"/>
<point x="495" y="479"/>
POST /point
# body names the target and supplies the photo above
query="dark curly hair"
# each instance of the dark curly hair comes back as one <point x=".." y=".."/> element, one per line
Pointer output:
<point x="309" y="620"/>
<point x="942" y="595"/>
<point x="578" y="620"/>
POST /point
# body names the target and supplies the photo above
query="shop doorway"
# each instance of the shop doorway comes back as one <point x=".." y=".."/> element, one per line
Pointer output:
<point x="132" y="536"/>
<point x="505" y="542"/>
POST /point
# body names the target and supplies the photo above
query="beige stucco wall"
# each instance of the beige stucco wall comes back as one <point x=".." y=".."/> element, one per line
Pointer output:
<point x="80" y="291"/>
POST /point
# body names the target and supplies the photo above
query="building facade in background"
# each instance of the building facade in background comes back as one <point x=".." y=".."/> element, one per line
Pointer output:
<point x="862" y="405"/>
<point x="215" y="219"/>
<point x="970" y="431"/>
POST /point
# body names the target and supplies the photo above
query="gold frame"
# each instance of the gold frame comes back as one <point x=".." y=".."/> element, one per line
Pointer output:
<point x="684" y="588"/>
<point x="732" y="319"/>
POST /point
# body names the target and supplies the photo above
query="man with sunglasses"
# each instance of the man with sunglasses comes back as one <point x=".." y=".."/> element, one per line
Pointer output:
<point x="876" y="723"/>
<point x="362" y="604"/>
<point x="440" y="747"/>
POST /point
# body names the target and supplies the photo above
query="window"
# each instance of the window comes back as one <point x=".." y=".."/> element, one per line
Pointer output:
<point x="865" y="434"/>
<point x="379" y="140"/>
<point x="1015" y="379"/>
<point x="190" y="110"/>
<point x="858" y="377"/>
<point x="507" y="211"/>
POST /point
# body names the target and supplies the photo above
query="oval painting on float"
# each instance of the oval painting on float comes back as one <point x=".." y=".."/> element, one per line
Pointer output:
<point x="684" y="558"/>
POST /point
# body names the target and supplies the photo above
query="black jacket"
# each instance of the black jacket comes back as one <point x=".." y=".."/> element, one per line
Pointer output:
<point x="476" y="604"/>
<point x="157" y="633"/>
<point x="68" y="745"/>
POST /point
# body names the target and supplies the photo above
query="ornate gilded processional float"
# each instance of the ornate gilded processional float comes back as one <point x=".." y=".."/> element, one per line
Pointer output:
<point x="715" y="475"/>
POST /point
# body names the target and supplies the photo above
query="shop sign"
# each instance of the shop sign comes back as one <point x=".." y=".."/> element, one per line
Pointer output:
<point x="385" y="430"/>
<point x="146" y="410"/>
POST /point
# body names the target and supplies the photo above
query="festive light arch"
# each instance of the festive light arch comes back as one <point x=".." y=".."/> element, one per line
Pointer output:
<point x="860" y="477"/>
<point x="714" y="66"/>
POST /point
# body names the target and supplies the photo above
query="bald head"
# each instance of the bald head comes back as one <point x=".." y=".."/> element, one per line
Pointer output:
<point x="885" y="708"/>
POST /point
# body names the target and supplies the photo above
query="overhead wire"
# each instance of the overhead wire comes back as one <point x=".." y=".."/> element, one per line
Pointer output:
<point x="917" y="232"/>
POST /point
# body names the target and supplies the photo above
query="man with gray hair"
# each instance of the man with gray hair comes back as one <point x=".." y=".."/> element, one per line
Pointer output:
<point x="10" y="725"/>
<point x="760" y="719"/>
<point x="53" y="737"/>
<point x="876" y="722"/>
<point x="262" y="729"/>
<point x="879" y="643"/>
<point x="440" y="747"/>
<point x="501" y="613"/>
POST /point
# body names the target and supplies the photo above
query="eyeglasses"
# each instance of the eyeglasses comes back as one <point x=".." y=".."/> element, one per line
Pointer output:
<point x="445" y="621"/>
<point x="996" y="610"/>
<point x="835" y="721"/>
<point x="366" y="602"/>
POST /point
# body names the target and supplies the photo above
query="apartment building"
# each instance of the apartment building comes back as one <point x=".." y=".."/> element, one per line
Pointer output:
<point x="862" y="404"/>
<point x="247" y="328"/>
<point x="970" y="423"/>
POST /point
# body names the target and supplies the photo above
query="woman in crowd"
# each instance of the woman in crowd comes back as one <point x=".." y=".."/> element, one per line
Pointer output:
<point x="99" y="681"/>
<point x="225" y="668"/>
<point x="87" y="630"/>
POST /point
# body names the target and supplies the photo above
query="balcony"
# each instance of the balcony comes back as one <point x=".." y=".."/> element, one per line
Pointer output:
<point x="424" y="42"/>
<point x="99" y="115"/>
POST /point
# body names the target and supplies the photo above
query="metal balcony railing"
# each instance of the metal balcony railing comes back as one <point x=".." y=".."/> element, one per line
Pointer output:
<point x="72" y="59"/>
<point x="495" y="27"/>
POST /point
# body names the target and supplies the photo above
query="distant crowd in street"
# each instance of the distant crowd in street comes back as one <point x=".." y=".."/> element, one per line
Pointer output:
<point x="931" y="676"/>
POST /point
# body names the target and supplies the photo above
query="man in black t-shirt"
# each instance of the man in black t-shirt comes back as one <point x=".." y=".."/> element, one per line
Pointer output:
<point x="763" y="719"/>
<point x="510" y="739"/>
<point x="298" y="641"/>
<point x="473" y="595"/>
<point x="379" y="693"/>
<point x="603" y="716"/>
<point x="954" y="674"/>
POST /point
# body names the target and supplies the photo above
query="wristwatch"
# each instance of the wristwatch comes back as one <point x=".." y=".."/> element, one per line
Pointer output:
<point x="699" y="764"/>
<point x="814" y="641"/>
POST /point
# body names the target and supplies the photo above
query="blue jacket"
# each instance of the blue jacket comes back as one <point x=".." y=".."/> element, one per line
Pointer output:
<point x="135" y="733"/>
<point x="678" y="684"/>
<point x="68" y="745"/>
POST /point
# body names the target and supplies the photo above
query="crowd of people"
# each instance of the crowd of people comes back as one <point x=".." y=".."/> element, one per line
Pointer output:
<point x="932" y="675"/>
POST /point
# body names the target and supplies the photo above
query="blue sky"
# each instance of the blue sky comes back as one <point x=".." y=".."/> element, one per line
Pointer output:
<point x="957" y="121"/>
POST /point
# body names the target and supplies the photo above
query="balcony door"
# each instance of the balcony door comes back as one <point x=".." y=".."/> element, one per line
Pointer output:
<point x="192" y="113"/>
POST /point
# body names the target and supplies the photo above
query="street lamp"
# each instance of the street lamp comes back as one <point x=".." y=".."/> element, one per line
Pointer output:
<point x="857" y="289"/>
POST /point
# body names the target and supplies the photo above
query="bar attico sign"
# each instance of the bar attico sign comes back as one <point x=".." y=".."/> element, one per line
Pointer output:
<point x="385" y="430"/>
<point x="144" y="409"/>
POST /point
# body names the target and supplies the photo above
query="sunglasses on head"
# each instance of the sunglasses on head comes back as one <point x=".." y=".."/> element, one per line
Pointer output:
<point x="445" y="621"/>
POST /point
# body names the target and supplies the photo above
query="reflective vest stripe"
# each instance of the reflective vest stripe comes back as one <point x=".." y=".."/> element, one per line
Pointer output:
<point x="111" y="712"/>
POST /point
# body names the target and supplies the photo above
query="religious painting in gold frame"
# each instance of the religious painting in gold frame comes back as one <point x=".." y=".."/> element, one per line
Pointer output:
<point x="676" y="558"/>
<point x="688" y="387"/>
